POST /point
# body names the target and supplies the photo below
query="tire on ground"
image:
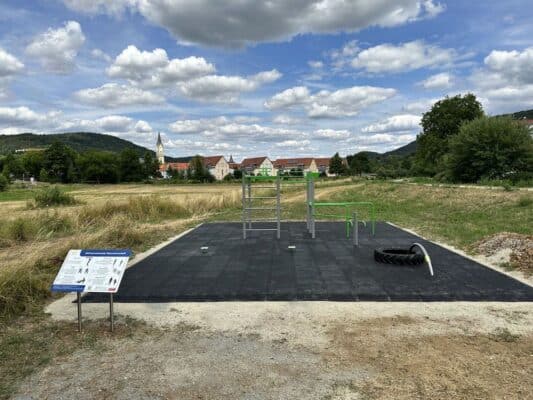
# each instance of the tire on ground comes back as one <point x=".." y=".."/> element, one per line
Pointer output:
<point x="398" y="257"/>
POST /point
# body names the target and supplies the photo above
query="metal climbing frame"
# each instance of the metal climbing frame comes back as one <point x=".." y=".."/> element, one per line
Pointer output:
<point x="275" y="182"/>
<point x="249" y="207"/>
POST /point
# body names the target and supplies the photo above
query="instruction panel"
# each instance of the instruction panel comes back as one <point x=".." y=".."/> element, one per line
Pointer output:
<point x="92" y="271"/>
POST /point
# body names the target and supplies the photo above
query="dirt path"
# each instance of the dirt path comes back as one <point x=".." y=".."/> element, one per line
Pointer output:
<point x="299" y="350"/>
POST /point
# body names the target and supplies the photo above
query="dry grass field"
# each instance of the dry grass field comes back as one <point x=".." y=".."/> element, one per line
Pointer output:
<point x="363" y="360"/>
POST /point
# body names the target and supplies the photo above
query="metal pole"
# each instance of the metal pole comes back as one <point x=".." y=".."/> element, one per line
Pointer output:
<point x="355" y="230"/>
<point x="278" y="206"/>
<point x="243" y="207"/>
<point x="249" y="204"/>
<point x="78" y="295"/>
<point x="111" y="316"/>
<point x="312" y="202"/>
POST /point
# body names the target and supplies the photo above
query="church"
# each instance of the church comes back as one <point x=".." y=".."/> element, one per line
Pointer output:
<point x="216" y="165"/>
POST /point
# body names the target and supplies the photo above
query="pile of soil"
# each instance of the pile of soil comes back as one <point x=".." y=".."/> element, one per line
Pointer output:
<point x="519" y="246"/>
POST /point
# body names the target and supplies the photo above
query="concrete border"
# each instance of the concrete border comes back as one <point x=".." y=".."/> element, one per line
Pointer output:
<point x="521" y="279"/>
<point x="141" y="256"/>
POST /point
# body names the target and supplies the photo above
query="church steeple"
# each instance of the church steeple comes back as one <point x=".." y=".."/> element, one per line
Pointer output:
<point x="231" y="159"/>
<point x="159" y="150"/>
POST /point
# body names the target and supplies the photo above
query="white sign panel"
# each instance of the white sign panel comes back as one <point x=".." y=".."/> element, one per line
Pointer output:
<point x="92" y="271"/>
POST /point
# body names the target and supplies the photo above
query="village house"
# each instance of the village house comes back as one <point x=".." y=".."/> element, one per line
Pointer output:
<point x="258" y="166"/>
<point x="304" y="165"/>
<point x="322" y="165"/>
<point x="217" y="166"/>
<point x="165" y="169"/>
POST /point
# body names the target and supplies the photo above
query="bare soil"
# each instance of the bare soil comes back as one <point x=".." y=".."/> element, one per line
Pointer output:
<point x="301" y="351"/>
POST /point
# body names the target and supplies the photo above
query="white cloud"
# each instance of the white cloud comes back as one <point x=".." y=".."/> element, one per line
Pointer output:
<point x="326" y="104"/>
<point x="15" y="116"/>
<point x="316" y="64"/>
<point x="288" y="98"/>
<point x="154" y="69"/>
<point x="403" y="57"/>
<point x="9" y="67"/>
<point x="225" y="89"/>
<point x="100" y="55"/>
<point x="115" y="95"/>
<point x="284" y="119"/>
<point x="331" y="134"/>
<point x="420" y="106"/>
<point x="385" y="139"/>
<point x="250" y="21"/>
<point x="56" y="49"/>
<point x="514" y="66"/>
<point x="9" y="64"/>
<point x="506" y="82"/>
<point x="142" y="127"/>
<point x="396" y="123"/>
<point x="438" y="81"/>
<point x="113" y="7"/>
<point x="224" y="128"/>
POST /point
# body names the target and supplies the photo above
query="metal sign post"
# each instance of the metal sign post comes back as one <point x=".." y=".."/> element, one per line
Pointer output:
<point x="111" y="316"/>
<point x="78" y="295"/>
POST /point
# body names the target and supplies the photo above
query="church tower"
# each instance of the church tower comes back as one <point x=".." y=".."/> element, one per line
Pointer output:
<point x="159" y="152"/>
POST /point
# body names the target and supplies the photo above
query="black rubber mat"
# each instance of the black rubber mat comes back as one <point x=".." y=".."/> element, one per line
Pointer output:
<point x="326" y="268"/>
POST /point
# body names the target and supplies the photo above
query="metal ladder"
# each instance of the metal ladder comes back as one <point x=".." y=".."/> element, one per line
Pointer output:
<point x="248" y="206"/>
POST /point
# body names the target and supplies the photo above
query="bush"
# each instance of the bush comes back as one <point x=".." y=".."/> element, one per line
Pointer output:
<point x="53" y="196"/>
<point x="20" y="230"/>
<point x="489" y="148"/>
<point x="4" y="183"/>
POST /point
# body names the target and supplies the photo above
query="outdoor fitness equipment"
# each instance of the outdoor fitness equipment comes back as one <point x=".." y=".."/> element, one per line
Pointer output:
<point x="407" y="257"/>
<point x="266" y="181"/>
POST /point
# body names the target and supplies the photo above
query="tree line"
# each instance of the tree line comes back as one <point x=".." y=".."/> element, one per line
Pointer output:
<point x="458" y="143"/>
<point x="59" y="163"/>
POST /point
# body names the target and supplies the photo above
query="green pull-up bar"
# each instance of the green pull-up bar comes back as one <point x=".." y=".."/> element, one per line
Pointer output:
<point x="346" y="215"/>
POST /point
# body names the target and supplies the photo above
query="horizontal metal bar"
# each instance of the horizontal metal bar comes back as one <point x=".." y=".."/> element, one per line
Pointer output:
<point x="260" y="208"/>
<point x="263" y="187"/>
<point x="259" y="229"/>
<point x="261" y="197"/>
<point x="349" y="203"/>
<point x="273" y="219"/>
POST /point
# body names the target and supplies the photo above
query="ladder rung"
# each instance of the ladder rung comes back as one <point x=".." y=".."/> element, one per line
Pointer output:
<point x="259" y="208"/>
<point x="261" y="219"/>
<point x="261" y="197"/>
<point x="261" y="229"/>
<point x="264" y="187"/>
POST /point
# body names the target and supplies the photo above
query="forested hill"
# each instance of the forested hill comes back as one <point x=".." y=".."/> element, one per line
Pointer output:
<point x="79" y="141"/>
<point x="527" y="114"/>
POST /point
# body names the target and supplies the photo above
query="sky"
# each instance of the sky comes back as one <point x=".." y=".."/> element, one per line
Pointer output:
<point x="281" y="78"/>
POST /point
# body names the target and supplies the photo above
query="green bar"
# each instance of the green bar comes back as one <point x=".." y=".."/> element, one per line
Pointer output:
<point x="345" y="205"/>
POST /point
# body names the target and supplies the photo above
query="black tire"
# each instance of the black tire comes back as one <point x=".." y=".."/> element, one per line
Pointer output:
<point x="398" y="257"/>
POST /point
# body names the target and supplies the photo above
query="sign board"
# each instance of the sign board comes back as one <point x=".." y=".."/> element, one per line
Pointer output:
<point x="92" y="271"/>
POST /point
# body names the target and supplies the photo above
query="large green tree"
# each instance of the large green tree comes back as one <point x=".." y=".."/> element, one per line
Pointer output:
<point x="491" y="148"/>
<point x="359" y="163"/>
<point x="130" y="167"/>
<point x="198" y="172"/>
<point x="59" y="163"/>
<point x="98" y="167"/>
<point x="336" y="165"/>
<point x="440" y="124"/>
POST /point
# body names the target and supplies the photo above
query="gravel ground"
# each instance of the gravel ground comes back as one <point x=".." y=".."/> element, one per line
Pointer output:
<point x="299" y="350"/>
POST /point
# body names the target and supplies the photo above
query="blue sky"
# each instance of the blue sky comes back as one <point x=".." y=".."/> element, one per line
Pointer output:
<point x="278" y="78"/>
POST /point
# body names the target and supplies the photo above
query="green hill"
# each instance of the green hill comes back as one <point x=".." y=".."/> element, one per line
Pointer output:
<point x="79" y="141"/>
<point x="525" y="114"/>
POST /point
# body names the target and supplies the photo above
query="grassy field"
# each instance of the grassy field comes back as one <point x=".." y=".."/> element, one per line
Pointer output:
<point x="34" y="241"/>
